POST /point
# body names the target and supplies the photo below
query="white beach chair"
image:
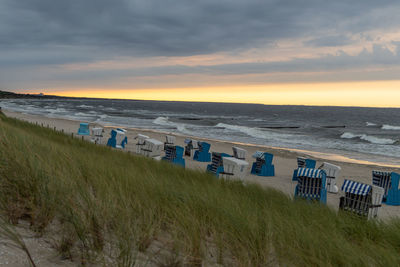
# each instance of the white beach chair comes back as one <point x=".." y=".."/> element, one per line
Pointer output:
<point x="234" y="168"/>
<point x="361" y="199"/>
<point x="169" y="140"/>
<point x="152" y="148"/>
<point x="239" y="153"/>
<point x="97" y="135"/>
<point x="140" y="142"/>
<point x="121" y="138"/>
<point x="332" y="172"/>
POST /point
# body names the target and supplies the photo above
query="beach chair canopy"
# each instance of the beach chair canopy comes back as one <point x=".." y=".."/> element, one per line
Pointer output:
<point x="98" y="131"/>
<point x="356" y="188"/>
<point x="83" y="129"/>
<point x="169" y="139"/>
<point x="310" y="173"/>
<point x="238" y="152"/>
<point x="331" y="170"/>
<point x="382" y="179"/>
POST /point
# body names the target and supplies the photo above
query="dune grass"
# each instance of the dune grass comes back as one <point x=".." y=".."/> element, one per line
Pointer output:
<point x="114" y="208"/>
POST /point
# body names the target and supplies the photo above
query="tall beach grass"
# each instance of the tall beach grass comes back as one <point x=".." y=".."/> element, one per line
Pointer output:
<point x="113" y="208"/>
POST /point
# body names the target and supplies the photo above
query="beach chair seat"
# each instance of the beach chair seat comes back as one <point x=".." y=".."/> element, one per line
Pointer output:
<point x="174" y="154"/>
<point x="97" y="135"/>
<point x="151" y="148"/>
<point x="303" y="163"/>
<point x="332" y="172"/>
<point x="217" y="165"/>
<point x="239" y="153"/>
<point x="361" y="199"/>
<point x="169" y="140"/>
<point x="311" y="184"/>
<point x="118" y="138"/>
<point x="263" y="165"/>
<point x="389" y="181"/>
<point x="191" y="144"/>
<point x="202" y="154"/>
<point x="83" y="129"/>
<point x="234" y="168"/>
<point x="140" y="142"/>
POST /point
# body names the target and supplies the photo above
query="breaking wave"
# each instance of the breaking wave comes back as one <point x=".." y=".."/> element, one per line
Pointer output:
<point x="369" y="138"/>
<point x="390" y="127"/>
<point x="164" y="121"/>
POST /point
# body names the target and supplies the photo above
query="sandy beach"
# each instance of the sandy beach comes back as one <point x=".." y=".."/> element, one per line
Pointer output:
<point x="284" y="159"/>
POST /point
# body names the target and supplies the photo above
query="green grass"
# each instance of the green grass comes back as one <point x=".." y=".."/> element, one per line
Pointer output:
<point x="114" y="208"/>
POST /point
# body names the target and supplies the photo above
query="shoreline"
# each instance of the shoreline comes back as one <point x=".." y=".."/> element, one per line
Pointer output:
<point x="284" y="159"/>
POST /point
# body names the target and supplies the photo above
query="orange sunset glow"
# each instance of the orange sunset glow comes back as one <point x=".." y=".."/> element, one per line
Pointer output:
<point x="371" y="94"/>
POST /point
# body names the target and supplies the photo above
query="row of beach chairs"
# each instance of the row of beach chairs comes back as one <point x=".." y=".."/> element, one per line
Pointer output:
<point x="312" y="183"/>
<point x="358" y="198"/>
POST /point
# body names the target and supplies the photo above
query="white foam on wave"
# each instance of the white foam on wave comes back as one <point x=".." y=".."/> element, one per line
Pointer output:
<point x="369" y="138"/>
<point x="370" y="124"/>
<point x="390" y="127"/>
<point x="254" y="132"/>
<point x="164" y="121"/>
<point x="84" y="106"/>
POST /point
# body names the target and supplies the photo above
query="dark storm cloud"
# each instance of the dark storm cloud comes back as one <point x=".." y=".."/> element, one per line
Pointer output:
<point x="178" y="27"/>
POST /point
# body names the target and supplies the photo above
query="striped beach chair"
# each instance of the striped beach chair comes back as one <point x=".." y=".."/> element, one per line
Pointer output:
<point x="332" y="172"/>
<point x="303" y="163"/>
<point x="263" y="165"/>
<point x="169" y="140"/>
<point x="361" y="199"/>
<point x="140" y="142"/>
<point x="203" y="154"/>
<point x="217" y="165"/>
<point x="311" y="184"/>
<point x="234" y="168"/>
<point x="389" y="181"/>
<point x="174" y="154"/>
<point x="239" y="153"/>
<point x="190" y="145"/>
<point x="83" y="129"/>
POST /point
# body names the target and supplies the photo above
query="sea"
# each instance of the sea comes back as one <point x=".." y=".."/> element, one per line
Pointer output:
<point x="354" y="133"/>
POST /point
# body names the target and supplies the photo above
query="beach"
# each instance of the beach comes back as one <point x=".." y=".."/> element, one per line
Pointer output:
<point x="284" y="159"/>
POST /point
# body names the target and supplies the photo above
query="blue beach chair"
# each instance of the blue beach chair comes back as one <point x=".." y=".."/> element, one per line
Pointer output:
<point x="263" y="165"/>
<point x="117" y="139"/>
<point x="83" y="129"/>
<point x="389" y="181"/>
<point x="217" y="165"/>
<point x="303" y="163"/>
<point x="202" y="154"/>
<point x="361" y="199"/>
<point x="174" y="154"/>
<point x="311" y="184"/>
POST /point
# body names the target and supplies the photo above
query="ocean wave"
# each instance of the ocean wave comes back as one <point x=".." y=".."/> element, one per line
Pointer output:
<point x="390" y="127"/>
<point x="253" y="132"/>
<point x="370" y="124"/>
<point x="369" y="138"/>
<point x="164" y="121"/>
<point x="85" y="106"/>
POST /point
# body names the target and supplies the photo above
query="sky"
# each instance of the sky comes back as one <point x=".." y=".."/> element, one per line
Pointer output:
<point x="310" y="52"/>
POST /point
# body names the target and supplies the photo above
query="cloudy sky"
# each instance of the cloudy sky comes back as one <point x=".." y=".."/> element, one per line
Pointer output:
<point x="277" y="52"/>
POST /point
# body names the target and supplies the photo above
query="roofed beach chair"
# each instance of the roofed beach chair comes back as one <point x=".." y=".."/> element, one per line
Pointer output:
<point x="118" y="138"/>
<point x="239" y="153"/>
<point x="97" y="135"/>
<point x="83" y="129"/>
<point x="389" y="181"/>
<point x="190" y="145"/>
<point x="234" y="168"/>
<point x="203" y="154"/>
<point x="311" y="184"/>
<point x="217" y="165"/>
<point x="303" y="163"/>
<point x="263" y="165"/>
<point x="174" y="154"/>
<point x="152" y="148"/>
<point x="361" y="199"/>
<point x="140" y="142"/>
<point x="332" y="172"/>
<point x="169" y="140"/>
